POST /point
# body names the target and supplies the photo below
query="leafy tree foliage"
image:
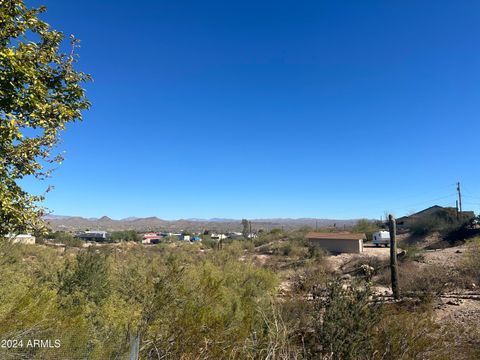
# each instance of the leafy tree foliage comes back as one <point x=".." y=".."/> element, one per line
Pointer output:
<point x="40" y="92"/>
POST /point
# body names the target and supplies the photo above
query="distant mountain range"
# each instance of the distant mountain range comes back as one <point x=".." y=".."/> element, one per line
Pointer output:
<point x="77" y="223"/>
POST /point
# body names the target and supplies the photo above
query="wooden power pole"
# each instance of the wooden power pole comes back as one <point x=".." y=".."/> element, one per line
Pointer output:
<point x="459" y="197"/>
<point x="392" y="226"/>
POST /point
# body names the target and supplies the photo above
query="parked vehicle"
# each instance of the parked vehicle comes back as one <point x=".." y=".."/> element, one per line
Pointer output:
<point x="381" y="238"/>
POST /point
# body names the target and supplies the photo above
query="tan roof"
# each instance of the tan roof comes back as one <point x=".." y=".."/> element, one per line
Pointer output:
<point x="335" y="236"/>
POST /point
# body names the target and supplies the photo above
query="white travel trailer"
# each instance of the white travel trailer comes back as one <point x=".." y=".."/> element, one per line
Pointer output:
<point x="381" y="238"/>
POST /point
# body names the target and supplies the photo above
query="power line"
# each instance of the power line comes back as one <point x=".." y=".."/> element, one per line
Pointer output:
<point x="471" y="196"/>
<point x="469" y="192"/>
<point x="404" y="207"/>
<point x="430" y="191"/>
<point x="432" y="200"/>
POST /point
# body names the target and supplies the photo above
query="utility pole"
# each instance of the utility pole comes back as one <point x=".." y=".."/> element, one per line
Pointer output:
<point x="456" y="207"/>
<point x="459" y="197"/>
<point x="393" y="256"/>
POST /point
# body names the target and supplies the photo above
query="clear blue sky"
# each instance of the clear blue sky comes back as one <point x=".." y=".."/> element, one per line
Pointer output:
<point x="333" y="109"/>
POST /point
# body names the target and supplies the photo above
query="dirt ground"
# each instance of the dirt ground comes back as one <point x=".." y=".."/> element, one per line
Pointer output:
<point x="447" y="309"/>
<point x="449" y="257"/>
<point x="337" y="262"/>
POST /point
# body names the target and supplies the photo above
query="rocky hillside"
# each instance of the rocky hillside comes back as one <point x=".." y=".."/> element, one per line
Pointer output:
<point x="75" y="223"/>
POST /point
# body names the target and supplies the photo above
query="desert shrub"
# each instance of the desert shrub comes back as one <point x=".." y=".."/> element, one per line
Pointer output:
<point x="366" y="226"/>
<point x="248" y="245"/>
<point x="407" y="334"/>
<point x="63" y="237"/>
<point x="277" y="340"/>
<point x="471" y="262"/>
<point x="354" y="267"/>
<point x="60" y="236"/>
<point x="31" y="308"/>
<point x="412" y="253"/>
<point x="209" y="309"/>
<point x="87" y="276"/>
<point x="261" y="240"/>
<point x="445" y="221"/>
<point x="278" y="234"/>
<point x="74" y="242"/>
<point x="311" y="278"/>
<point x="422" y="280"/>
<point x="289" y="248"/>
<point x="425" y="225"/>
<point x="265" y="238"/>
<point x="294" y="246"/>
<point x="457" y="235"/>
<point x="188" y="304"/>
<point x="463" y="340"/>
<point x="344" y="322"/>
<point x="126" y="235"/>
<point x="208" y="243"/>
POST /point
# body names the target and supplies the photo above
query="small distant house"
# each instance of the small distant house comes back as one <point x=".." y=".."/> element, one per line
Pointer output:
<point x="152" y="238"/>
<point x="342" y="242"/>
<point x="184" y="237"/>
<point x="94" y="236"/>
<point x="23" y="239"/>
<point x="150" y="235"/>
<point x="151" y="241"/>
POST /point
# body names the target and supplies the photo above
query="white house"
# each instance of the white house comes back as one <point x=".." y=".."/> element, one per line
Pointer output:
<point x="342" y="242"/>
<point x="22" y="239"/>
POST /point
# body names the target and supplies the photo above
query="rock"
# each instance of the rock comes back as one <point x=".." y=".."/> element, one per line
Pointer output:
<point x="455" y="302"/>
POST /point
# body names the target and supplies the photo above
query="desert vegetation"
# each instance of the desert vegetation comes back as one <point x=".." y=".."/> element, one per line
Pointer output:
<point x="274" y="297"/>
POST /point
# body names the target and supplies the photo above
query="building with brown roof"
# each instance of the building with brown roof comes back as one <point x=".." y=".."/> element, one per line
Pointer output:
<point x="337" y="242"/>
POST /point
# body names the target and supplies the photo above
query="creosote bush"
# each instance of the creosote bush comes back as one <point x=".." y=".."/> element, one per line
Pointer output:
<point x="424" y="281"/>
<point x="184" y="303"/>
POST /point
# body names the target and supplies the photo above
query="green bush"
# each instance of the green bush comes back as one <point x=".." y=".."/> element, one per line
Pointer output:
<point x="446" y="221"/>
<point x="368" y="227"/>
<point x="403" y="334"/>
<point x="345" y="322"/>
<point x="126" y="235"/>
<point x="425" y="225"/>
<point x="86" y="276"/>
<point x="192" y="304"/>
<point x="62" y="237"/>
<point x="424" y="281"/>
